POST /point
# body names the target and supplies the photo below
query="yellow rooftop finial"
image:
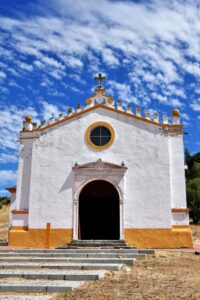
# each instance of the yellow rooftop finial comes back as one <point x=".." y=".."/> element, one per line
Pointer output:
<point x="28" y="118"/>
<point x="176" y="113"/>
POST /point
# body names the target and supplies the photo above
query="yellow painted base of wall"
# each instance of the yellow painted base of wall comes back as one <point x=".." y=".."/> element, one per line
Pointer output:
<point x="36" y="238"/>
<point x="177" y="237"/>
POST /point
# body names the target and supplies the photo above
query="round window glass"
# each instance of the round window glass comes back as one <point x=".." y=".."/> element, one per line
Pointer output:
<point x="100" y="136"/>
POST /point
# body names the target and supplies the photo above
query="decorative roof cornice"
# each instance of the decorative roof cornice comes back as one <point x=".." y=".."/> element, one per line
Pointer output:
<point x="113" y="109"/>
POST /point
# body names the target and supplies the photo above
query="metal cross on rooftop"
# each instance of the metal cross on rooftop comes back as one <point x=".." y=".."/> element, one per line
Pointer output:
<point x="100" y="78"/>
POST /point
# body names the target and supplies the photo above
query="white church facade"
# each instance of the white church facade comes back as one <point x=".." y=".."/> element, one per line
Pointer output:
<point x="101" y="172"/>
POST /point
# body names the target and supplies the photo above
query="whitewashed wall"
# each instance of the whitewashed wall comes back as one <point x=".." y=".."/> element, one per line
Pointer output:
<point x="143" y="148"/>
<point x="12" y="207"/>
<point x="24" y="174"/>
<point x="177" y="172"/>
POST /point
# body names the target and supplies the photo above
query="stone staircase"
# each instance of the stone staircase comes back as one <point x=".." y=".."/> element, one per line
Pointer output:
<point x="59" y="270"/>
<point x="101" y="244"/>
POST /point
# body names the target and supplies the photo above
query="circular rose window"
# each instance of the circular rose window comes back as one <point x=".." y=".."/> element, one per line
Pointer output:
<point x="100" y="135"/>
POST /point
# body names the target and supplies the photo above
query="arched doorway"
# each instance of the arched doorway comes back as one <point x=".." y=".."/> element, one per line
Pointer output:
<point x="99" y="217"/>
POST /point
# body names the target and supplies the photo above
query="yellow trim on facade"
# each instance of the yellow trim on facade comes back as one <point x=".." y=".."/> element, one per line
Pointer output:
<point x="172" y="131"/>
<point x="180" y="210"/>
<point x="149" y="238"/>
<point x="177" y="227"/>
<point x="36" y="238"/>
<point x="20" y="212"/>
<point x="155" y="238"/>
<point x="94" y="125"/>
<point x="12" y="189"/>
<point x="16" y="228"/>
<point x="29" y="137"/>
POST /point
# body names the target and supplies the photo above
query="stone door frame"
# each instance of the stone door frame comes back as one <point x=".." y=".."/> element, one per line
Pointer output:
<point x="84" y="174"/>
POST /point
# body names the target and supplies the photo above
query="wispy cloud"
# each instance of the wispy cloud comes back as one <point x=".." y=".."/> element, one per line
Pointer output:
<point x="11" y="123"/>
<point x="195" y="105"/>
<point x="7" y="176"/>
<point x="8" y="158"/>
<point x="153" y="40"/>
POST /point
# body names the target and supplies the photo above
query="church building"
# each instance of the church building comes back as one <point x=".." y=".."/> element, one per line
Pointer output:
<point x="101" y="172"/>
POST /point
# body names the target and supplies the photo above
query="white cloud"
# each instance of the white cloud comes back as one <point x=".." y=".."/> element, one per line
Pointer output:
<point x="2" y="75"/>
<point x="185" y="116"/>
<point x="52" y="62"/>
<point x="196" y="105"/>
<point x="156" y="41"/>
<point x="11" y="118"/>
<point x="8" y="158"/>
<point x="49" y="110"/>
<point x="122" y="90"/>
<point x="176" y="103"/>
<point x="7" y="176"/>
<point x="25" y="66"/>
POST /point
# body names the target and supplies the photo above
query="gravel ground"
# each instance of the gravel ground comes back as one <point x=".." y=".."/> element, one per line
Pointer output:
<point x="168" y="276"/>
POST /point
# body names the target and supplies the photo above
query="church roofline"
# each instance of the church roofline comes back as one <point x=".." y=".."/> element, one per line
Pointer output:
<point x="103" y="106"/>
<point x="101" y="100"/>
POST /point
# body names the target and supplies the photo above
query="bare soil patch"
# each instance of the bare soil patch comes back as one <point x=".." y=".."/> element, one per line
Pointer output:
<point x="4" y="221"/>
<point x="195" y="232"/>
<point x="170" y="275"/>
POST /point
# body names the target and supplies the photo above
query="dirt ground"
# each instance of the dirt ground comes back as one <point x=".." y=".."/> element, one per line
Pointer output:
<point x="167" y="276"/>
<point x="4" y="217"/>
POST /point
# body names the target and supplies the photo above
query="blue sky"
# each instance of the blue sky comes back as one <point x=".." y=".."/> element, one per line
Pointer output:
<point x="50" y="51"/>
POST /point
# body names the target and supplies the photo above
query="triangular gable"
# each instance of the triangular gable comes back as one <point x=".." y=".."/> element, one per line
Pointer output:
<point x="109" y="108"/>
<point x="99" y="165"/>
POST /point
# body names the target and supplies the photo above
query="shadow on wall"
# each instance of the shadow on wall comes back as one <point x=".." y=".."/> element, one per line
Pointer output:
<point x="26" y="157"/>
<point x="68" y="184"/>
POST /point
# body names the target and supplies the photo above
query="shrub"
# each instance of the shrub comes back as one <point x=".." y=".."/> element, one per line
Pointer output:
<point x="4" y="200"/>
<point x="193" y="199"/>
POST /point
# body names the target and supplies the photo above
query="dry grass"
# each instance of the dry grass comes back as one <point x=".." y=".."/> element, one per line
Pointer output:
<point x="4" y="218"/>
<point x="195" y="232"/>
<point x="168" y="276"/>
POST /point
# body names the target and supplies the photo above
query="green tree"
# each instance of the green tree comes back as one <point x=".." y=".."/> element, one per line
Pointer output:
<point x="193" y="199"/>
<point x="193" y="165"/>
<point x="4" y="200"/>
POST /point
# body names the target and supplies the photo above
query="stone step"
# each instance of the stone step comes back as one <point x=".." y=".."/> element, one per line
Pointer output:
<point x="72" y="255"/>
<point x="61" y="266"/>
<point x="95" y="243"/>
<point x="52" y="274"/>
<point x="70" y="259"/>
<point x="98" y="242"/>
<point x="40" y="286"/>
<point x="81" y="250"/>
<point x="95" y="247"/>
